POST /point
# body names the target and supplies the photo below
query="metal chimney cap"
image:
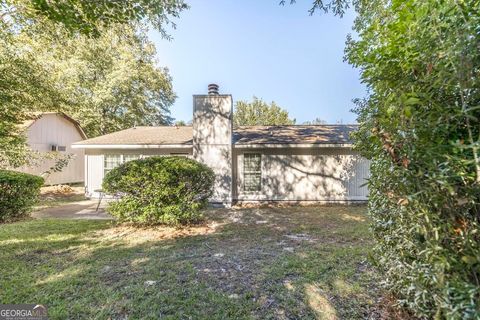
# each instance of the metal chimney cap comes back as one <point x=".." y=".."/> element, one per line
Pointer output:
<point x="213" y="88"/>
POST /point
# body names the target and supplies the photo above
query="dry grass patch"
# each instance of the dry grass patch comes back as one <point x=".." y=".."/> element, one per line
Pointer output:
<point x="138" y="235"/>
<point x="54" y="196"/>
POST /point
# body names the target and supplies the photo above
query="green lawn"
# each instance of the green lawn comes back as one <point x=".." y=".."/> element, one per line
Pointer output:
<point x="275" y="263"/>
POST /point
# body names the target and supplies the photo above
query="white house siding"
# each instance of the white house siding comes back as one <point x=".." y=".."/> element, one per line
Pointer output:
<point x="94" y="163"/>
<point x="305" y="174"/>
<point x="94" y="177"/>
<point x="54" y="129"/>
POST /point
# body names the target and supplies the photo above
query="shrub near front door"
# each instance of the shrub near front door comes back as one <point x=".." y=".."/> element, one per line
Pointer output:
<point x="159" y="190"/>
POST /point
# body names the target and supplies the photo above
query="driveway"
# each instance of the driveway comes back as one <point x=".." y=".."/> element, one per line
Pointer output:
<point x="76" y="210"/>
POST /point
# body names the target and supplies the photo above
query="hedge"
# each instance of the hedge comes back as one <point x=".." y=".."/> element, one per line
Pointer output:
<point x="159" y="190"/>
<point x="419" y="125"/>
<point x="18" y="193"/>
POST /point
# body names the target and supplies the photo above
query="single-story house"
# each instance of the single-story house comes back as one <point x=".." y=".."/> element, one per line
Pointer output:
<point x="54" y="133"/>
<point x="252" y="163"/>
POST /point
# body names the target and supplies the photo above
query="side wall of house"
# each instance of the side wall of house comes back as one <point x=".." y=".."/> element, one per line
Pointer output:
<point x="54" y="129"/>
<point x="304" y="174"/>
<point x="95" y="163"/>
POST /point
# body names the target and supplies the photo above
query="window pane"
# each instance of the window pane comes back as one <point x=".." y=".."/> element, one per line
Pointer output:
<point x="252" y="174"/>
<point x="111" y="161"/>
<point x="130" y="157"/>
<point x="252" y="182"/>
<point x="252" y="162"/>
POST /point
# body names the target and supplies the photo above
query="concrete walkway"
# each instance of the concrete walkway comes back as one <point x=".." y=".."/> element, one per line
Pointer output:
<point x="75" y="210"/>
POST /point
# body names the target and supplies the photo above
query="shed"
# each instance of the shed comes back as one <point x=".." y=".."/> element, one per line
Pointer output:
<point x="54" y="132"/>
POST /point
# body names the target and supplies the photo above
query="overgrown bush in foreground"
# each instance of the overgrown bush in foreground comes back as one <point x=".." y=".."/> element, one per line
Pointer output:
<point x="420" y="126"/>
<point x="159" y="190"/>
<point x="18" y="193"/>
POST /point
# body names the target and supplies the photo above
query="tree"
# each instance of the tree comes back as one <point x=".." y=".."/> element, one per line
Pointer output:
<point x="180" y="123"/>
<point x="25" y="83"/>
<point x="89" y="17"/>
<point x="419" y="127"/>
<point x="108" y="83"/>
<point x="22" y="84"/>
<point x="259" y="112"/>
<point x="337" y="7"/>
<point x="316" y="121"/>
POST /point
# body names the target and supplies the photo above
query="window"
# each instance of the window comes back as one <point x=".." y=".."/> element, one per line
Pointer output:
<point x="114" y="160"/>
<point x="252" y="171"/>
<point x="111" y="161"/>
<point x="130" y="157"/>
<point x="58" y="148"/>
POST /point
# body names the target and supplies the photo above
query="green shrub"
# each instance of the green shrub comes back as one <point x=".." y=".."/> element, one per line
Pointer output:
<point x="18" y="193"/>
<point x="159" y="190"/>
<point x="419" y="125"/>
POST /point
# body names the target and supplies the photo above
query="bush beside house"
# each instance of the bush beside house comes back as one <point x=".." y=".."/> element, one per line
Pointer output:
<point x="159" y="190"/>
<point x="419" y="126"/>
<point x="18" y="193"/>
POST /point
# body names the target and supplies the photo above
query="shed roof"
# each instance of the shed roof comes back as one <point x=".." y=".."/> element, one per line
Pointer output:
<point x="242" y="136"/>
<point x="34" y="116"/>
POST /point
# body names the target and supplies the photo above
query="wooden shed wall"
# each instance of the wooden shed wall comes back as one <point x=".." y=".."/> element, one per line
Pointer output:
<point x="54" y="129"/>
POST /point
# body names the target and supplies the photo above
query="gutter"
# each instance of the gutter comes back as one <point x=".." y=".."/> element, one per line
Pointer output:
<point x="236" y="146"/>
<point x="130" y="146"/>
<point x="293" y="145"/>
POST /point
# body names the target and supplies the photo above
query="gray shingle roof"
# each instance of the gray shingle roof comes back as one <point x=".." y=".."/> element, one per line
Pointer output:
<point x="144" y="136"/>
<point x="246" y="135"/>
<point x="297" y="134"/>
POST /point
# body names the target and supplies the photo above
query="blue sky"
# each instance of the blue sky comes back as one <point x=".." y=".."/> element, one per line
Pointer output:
<point x="257" y="47"/>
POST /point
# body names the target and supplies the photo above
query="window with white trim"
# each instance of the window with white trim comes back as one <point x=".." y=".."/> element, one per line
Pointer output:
<point x="111" y="161"/>
<point x="252" y="172"/>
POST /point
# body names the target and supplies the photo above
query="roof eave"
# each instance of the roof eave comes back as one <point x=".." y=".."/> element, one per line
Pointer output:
<point x="130" y="146"/>
<point x="292" y="145"/>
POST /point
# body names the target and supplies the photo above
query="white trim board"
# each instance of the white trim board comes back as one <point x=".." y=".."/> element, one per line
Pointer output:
<point x="131" y="146"/>
<point x="293" y="145"/>
<point x="187" y="146"/>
